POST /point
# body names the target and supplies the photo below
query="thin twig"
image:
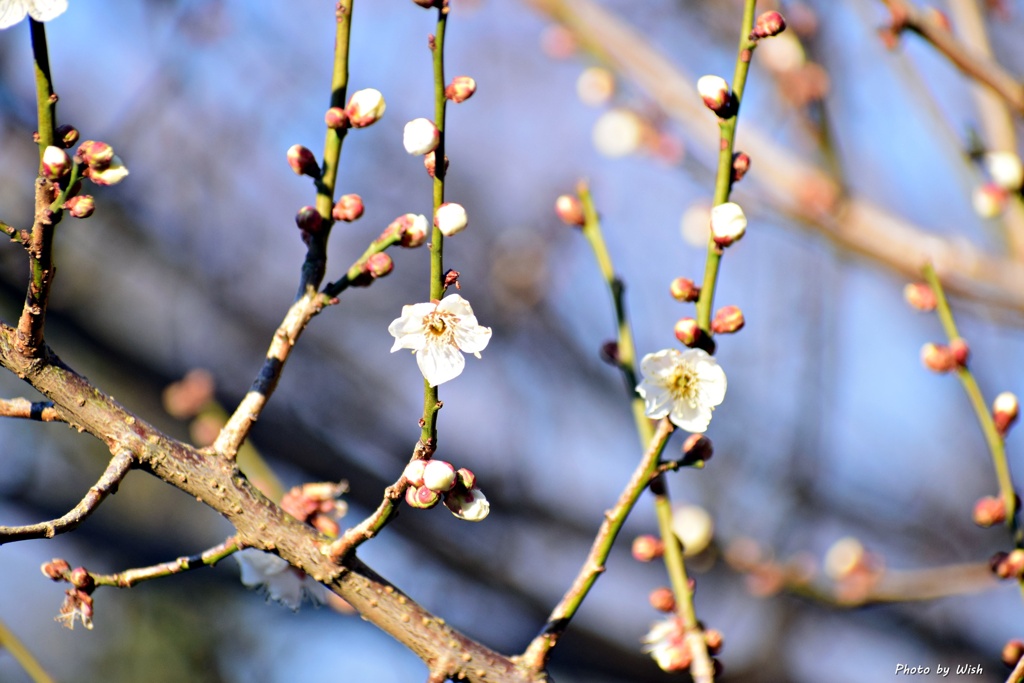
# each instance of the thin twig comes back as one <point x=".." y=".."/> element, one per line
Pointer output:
<point x="43" y="411"/>
<point x="11" y="643"/>
<point x="131" y="577"/>
<point x="107" y="484"/>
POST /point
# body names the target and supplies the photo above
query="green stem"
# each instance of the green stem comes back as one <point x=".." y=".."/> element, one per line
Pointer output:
<point x="46" y="101"/>
<point x="431" y="402"/>
<point x="996" y="446"/>
<point x="723" y="179"/>
<point x="11" y="643"/>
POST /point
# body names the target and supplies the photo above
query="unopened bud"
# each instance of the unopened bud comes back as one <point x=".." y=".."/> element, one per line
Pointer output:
<point x="647" y="548"/>
<point x="414" y="472"/>
<point x="439" y="476"/>
<point x="302" y="161"/>
<point x="715" y="92"/>
<point x="467" y="479"/>
<point x="56" y="163"/>
<point x="460" y="89"/>
<point x="1005" y="409"/>
<point x="429" y="164"/>
<point x="740" y="166"/>
<point x="697" y="448"/>
<point x="727" y="320"/>
<point x="309" y="220"/>
<point x="376" y="266"/>
<point x="81" y="579"/>
<point x="767" y="25"/>
<point x="920" y="296"/>
<point x="420" y="136"/>
<point x="714" y="640"/>
<point x="56" y="569"/>
<point x="96" y="155"/>
<point x="989" y="200"/>
<point x="335" y="118"/>
<point x="684" y="289"/>
<point x="570" y="210"/>
<point x="421" y="497"/>
<point x="728" y="223"/>
<point x="80" y="206"/>
<point x="960" y="350"/>
<point x="688" y="332"/>
<point x="989" y="511"/>
<point x="1012" y="566"/>
<point x="349" y="208"/>
<point x="937" y="357"/>
<point x="410" y="230"/>
<point x="662" y="599"/>
<point x="450" y="218"/>
<point x="1006" y="170"/>
<point x="365" y="107"/>
<point x="609" y="352"/>
<point x="67" y="135"/>
<point x="427" y="4"/>
<point x="1012" y="652"/>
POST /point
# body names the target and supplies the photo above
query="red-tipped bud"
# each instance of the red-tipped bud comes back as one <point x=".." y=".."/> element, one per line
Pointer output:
<point x="697" y="448"/>
<point x="989" y="200"/>
<point x="302" y="161"/>
<point x="467" y="479"/>
<point x="379" y="265"/>
<point x="81" y="579"/>
<point x="96" y="155"/>
<point x="960" y="350"/>
<point x="349" y="208"/>
<point x="309" y="220"/>
<point x="713" y="639"/>
<point x="937" y="357"/>
<point x="1005" y="409"/>
<point x="662" y="599"/>
<point x="439" y="476"/>
<point x="570" y="210"/>
<point x="1011" y="566"/>
<point x="410" y="230"/>
<point x="1012" y="652"/>
<point x="336" y="118"/>
<point x="421" y="497"/>
<point x="684" y="289"/>
<point x="688" y="332"/>
<point x="430" y="164"/>
<point x="647" y="548"/>
<point x="717" y="96"/>
<point x="989" y="511"/>
<point x="920" y="295"/>
<point x="56" y="569"/>
<point x="460" y="89"/>
<point x="67" y="135"/>
<point x="80" y="206"/>
<point x="767" y="25"/>
<point x="365" y="108"/>
<point x="56" y="163"/>
<point x="727" y="320"/>
<point x="740" y="166"/>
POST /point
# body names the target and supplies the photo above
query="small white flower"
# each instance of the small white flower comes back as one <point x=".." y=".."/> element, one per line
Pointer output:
<point x="666" y="643"/>
<point x="13" y="11"/>
<point x="450" y="218"/>
<point x="278" y="579"/>
<point x="728" y="223"/>
<point x="1006" y="170"/>
<point x="421" y="136"/>
<point x="468" y="504"/>
<point x="365" y="107"/>
<point x="439" y="333"/>
<point x="685" y="385"/>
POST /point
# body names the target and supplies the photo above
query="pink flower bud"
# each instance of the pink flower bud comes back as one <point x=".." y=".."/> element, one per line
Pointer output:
<point x="439" y="476"/>
<point x="56" y="569"/>
<point x="697" y="449"/>
<point x="349" y="208"/>
<point x="81" y="579"/>
<point x="67" y="135"/>
<point x="302" y="161"/>
<point x="421" y="497"/>
<point x="767" y="25"/>
<point x="989" y="200"/>
<point x="715" y="92"/>
<point x="647" y="548"/>
<point x="1012" y="652"/>
<point x="336" y="118"/>
<point x="420" y="136"/>
<point x="740" y="166"/>
<point x="96" y="155"/>
<point x="989" y="511"/>
<point x="960" y="350"/>
<point x="688" y="332"/>
<point x="430" y="164"/>
<point x="728" y="223"/>
<point x="467" y="479"/>
<point x="80" y="206"/>
<point x="450" y="218"/>
<point x="410" y="230"/>
<point x="920" y="296"/>
<point x="1005" y="409"/>
<point x="937" y="357"/>
<point x="379" y="265"/>
<point x="365" y="107"/>
<point x="414" y="472"/>
<point x="460" y="89"/>
<point x="727" y="320"/>
<point x="570" y="210"/>
<point x="309" y="220"/>
<point x="684" y="289"/>
<point x="662" y="599"/>
<point x="56" y="163"/>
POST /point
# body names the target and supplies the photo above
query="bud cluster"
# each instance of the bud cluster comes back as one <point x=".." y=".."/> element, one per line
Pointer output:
<point x="435" y="481"/>
<point x="317" y="504"/>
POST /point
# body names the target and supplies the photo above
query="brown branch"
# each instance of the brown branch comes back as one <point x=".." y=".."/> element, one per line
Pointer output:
<point x="130" y="577"/>
<point x="979" y="67"/>
<point x="40" y="252"/>
<point x="216" y="482"/>
<point x="785" y="181"/>
<point x="107" y="484"/>
<point x="43" y="411"/>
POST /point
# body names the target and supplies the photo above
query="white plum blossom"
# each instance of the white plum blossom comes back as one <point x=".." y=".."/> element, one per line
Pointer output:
<point x="420" y="137"/>
<point x="666" y="643"/>
<point x="278" y="579"/>
<point x="439" y="333"/>
<point x="685" y="385"/>
<point x="13" y="11"/>
<point x="728" y="223"/>
<point x="1006" y="169"/>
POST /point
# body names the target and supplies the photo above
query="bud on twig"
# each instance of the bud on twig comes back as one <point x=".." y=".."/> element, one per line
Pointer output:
<point x="302" y="161"/>
<point x="348" y="208"/>
<point x="697" y="448"/>
<point x="429" y="164"/>
<point x="67" y="135"/>
<point x="717" y="96"/>
<point x="309" y="220"/>
<point x="420" y="136"/>
<point x="989" y="511"/>
<point x="727" y="320"/>
<point x="450" y="218"/>
<point x="56" y="163"/>
<point x="767" y="25"/>
<point x="937" y="357"/>
<point x="662" y="599"/>
<point x="570" y="210"/>
<point x="684" y="289"/>
<point x="688" y="332"/>
<point x="740" y="166"/>
<point x="460" y="89"/>
<point x="410" y="229"/>
<point x="920" y="296"/>
<point x="647" y="548"/>
<point x="365" y="107"/>
<point x="1005" y="409"/>
<point x="336" y="118"/>
<point x="728" y="223"/>
<point x="80" y="206"/>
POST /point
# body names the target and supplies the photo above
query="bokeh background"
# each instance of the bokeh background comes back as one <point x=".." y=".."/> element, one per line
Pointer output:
<point x="831" y="428"/>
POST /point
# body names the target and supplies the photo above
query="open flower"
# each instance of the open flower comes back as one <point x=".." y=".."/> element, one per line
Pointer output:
<point x="278" y="579"/>
<point x="439" y="333"/>
<point x="13" y="11"/>
<point x="685" y="385"/>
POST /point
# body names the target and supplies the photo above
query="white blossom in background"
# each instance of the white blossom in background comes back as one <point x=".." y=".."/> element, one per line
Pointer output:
<point x="694" y="528"/>
<point x="279" y="580"/>
<point x="439" y="333"/>
<point x="618" y="132"/>
<point x="13" y="11"/>
<point x="685" y="385"/>
<point x="666" y="643"/>
<point x="1006" y="170"/>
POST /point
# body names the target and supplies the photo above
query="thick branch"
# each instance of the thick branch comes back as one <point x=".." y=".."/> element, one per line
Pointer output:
<point x="43" y="411"/>
<point x="107" y="484"/>
<point x="40" y="252"/>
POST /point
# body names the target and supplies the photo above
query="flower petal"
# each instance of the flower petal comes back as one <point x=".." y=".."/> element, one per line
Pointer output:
<point x="11" y="12"/>
<point x="656" y="364"/>
<point x="472" y="338"/>
<point x="440" y="363"/>
<point x="657" y="399"/>
<point x="691" y="418"/>
<point x="44" y="10"/>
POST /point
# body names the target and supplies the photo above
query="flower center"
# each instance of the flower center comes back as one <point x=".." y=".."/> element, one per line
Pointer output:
<point x="684" y="385"/>
<point x="438" y="327"/>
